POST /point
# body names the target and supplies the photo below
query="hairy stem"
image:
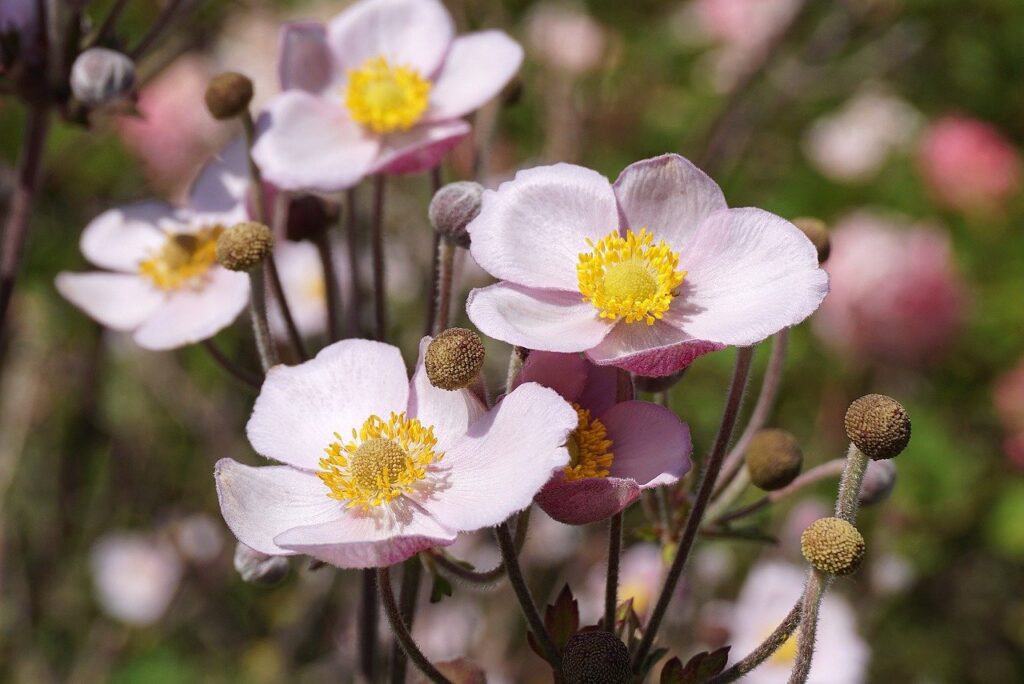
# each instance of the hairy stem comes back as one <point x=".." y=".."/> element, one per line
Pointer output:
<point x="611" y="587"/>
<point x="380" y="312"/>
<point x="366" y="627"/>
<point x="435" y="184"/>
<point x="323" y="248"/>
<point x="445" y="281"/>
<point x="812" y="476"/>
<point x="848" y="500"/>
<point x="352" y="242"/>
<point x="412" y="570"/>
<point x="258" y="312"/>
<point x="522" y="591"/>
<point x="813" y="592"/>
<point x="401" y="630"/>
<point x="764" y="651"/>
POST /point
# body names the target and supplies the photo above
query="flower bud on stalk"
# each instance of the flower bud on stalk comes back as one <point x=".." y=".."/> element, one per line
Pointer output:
<point x="244" y="246"/>
<point x="100" y="76"/>
<point x="596" y="657"/>
<point x="228" y="95"/>
<point x="833" y="546"/>
<point x="259" y="568"/>
<point x="454" y="359"/>
<point x="817" y="232"/>
<point x="452" y="209"/>
<point x="878" y="425"/>
<point x="773" y="459"/>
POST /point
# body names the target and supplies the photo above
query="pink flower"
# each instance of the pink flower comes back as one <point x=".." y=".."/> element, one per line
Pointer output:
<point x="896" y="296"/>
<point x="161" y="280"/>
<point x="1008" y="397"/>
<point x="566" y="37"/>
<point x="618" y="448"/>
<point x="969" y="165"/>
<point x="378" y="468"/>
<point x="135" y="577"/>
<point x="645" y="275"/>
<point x="380" y="89"/>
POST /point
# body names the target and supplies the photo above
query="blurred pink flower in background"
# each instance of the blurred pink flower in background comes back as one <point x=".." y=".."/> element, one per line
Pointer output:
<point x="564" y="36"/>
<point x="969" y="165"/>
<point x="896" y="294"/>
<point x="134" y="576"/>
<point x="174" y="132"/>
<point x="1008" y="397"/>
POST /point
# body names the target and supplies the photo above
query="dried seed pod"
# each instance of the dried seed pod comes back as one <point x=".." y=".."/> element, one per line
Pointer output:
<point x="878" y="425"/>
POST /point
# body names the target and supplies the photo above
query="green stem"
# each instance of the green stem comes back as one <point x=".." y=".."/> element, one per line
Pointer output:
<point x="611" y="587"/>
<point x="526" y="602"/>
<point x="412" y="570"/>
<point x="848" y="500"/>
<point x="813" y="592"/>
<point x="258" y="312"/>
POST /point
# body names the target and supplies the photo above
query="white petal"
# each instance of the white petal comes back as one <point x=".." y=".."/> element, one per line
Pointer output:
<point x="477" y="67"/>
<point x="192" y="315"/>
<point x="450" y="413"/>
<point x="305" y="61"/>
<point x="219" y="192"/>
<point x="120" y="238"/>
<point x="119" y="301"/>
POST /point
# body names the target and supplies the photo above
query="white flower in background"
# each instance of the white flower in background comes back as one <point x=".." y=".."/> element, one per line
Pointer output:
<point x="769" y="593"/>
<point x="447" y="630"/>
<point x="161" y="279"/>
<point x="198" y="538"/>
<point x="302" y="277"/>
<point x="135" y="577"/>
<point x="564" y="36"/>
<point x="852" y="144"/>
<point x="641" y="574"/>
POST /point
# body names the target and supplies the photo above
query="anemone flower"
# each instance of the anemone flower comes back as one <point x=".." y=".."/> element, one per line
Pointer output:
<point x="377" y="468"/>
<point x="645" y="275"/>
<point x="379" y="89"/>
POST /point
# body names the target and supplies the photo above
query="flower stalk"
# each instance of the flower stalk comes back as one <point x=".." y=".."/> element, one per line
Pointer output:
<point x="401" y="630"/>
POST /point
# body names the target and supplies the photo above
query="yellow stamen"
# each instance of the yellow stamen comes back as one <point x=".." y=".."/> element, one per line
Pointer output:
<point x="183" y="259"/>
<point x="629" y="277"/>
<point x="386" y="98"/>
<point x="383" y="461"/>
<point x="590" y="450"/>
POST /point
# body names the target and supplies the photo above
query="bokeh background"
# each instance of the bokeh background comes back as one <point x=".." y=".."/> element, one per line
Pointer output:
<point x="897" y="122"/>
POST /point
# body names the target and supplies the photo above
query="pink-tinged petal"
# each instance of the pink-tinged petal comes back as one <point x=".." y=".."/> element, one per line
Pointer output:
<point x="311" y="143"/>
<point x="419" y="149"/>
<point x="412" y="33"/>
<point x="477" y="67"/>
<point x="651" y="350"/>
<point x="532" y="230"/>
<point x="668" y="196"/>
<point x="219" y="192"/>
<point x="750" y="274"/>
<point x="450" y="413"/>
<point x="547" y="320"/>
<point x="301" y="407"/>
<point x="651" y="445"/>
<point x="304" y="60"/>
<point x="579" y="502"/>
<point x="601" y="391"/>
<point x="564" y="373"/>
<point x="192" y="315"/>
<point x="121" y="238"/>
<point x="504" y="459"/>
<point x="120" y="301"/>
<point x="258" y="504"/>
<point x="359" y="540"/>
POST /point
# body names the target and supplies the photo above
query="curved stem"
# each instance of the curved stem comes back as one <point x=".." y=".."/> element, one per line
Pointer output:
<point x="323" y="248"/>
<point x="161" y="23"/>
<point x="401" y="631"/>
<point x="764" y="651"/>
<point x="380" y="312"/>
<point x="813" y="592"/>
<point x="611" y="587"/>
<point x="229" y="366"/>
<point x="412" y="570"/>
<point x="741" y="372"/>
<point x="816" y="474"/>
<point x="526" y="602"/>
<point x="258" y="313"/>
<point x="460" y="571"/>
<point x="848" y="500"/>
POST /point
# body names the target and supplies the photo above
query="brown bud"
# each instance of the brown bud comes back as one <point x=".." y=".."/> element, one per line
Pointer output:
<point x="878" y="425"/>
<point x="244" y="246"/>
<point x="308" y="216"/>
<point x="773" y="459"/>
<point x="833" y="546"/>
<point x="454" y="358"/>
<point x="595" y="657"/>
<point x="817" y="232"/>
<point x="452" y="209"/>
<point x="228" y="95"/>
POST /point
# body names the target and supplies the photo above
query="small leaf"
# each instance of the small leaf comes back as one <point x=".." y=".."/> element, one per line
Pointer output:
<point x="440" y="588"/>
<point x="562" y="618"/>
<point x="672" y="673"/>
<point x="704" y="665"/>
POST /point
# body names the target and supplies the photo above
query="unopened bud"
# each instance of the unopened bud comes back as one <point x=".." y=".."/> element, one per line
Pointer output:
<point x="100" y="76"/>
<point x="879" y="481"/>
<point x="659" y="384"/>
<point x="452" y="209"/>
<point x="817" y="232"/>
<point x="259" y="568"/>
<point x="228" y="95"/>
<point x="454" y="358"/>
<point x="244" y="246"/>
<point x="595" y="657"/>
<point x="773" y="459"/>
<point x="878" y="425"/>
<point x="833" y="546"/>
<point x="309" y="216"/>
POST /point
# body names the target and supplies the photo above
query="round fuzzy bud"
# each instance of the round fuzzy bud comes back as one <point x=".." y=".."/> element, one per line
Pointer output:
<point x="228" y="95"/>
<point x="309" y="216"/>
<point x="879" y="481"/>
<point x="832" y="546"/>
<point x="773" y="459"/>
<point x="100" y="76"/>
<point x="596" y="657"/>
<point x="817" y="232"/>
<point x="244" y="246"/>
<point x="453" y="207"/>
<point x="454" y="358"/>
<point x="259" y="568"/>
<point x="878" y="425"/>
<point x="659" y="384"/>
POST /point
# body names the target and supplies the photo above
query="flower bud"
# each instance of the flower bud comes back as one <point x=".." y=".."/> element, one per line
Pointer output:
<point x="817" y="232"/>
<point x="595" y="657"/>
<point x="454" y="358"/>
<point x="878" y="425"/>
<point x="244" y="246"/>
<point x="453" y="207"/>
<point x="773" y="459"/>
<point x="879" y="481"/>
<point x="832" y="546"/>
<point x="259" y="568"/>
<point x="658" y="384"/>
<point x="100" y="76"/>
<point x="228" y="95"/>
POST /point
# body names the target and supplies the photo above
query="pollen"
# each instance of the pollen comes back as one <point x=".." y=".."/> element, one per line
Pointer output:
<point x="629" y="277"/>
<point x="386" y="98"/>
<point x="183" y="260"/>
<point x="382" y="461"/>
<point x="590" y="450"/>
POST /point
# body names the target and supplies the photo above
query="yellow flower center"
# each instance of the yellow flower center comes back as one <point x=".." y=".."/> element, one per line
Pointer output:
<point x="386" y="98"/>
<point x="629" y="277"/>
<point x="384" y="460"/>
<point x="183" y="259"/>
<point x="590" y="450"/>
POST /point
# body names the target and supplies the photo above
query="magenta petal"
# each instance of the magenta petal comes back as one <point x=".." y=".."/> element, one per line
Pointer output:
<point x="602" y="389"/>
<point x="651" y="350"/>
<point x="651" y="445"/>
<point x="564" y="373"/>
<point x="419" y="149"/>
<point x="304" y="60"/>
<point x="578" y="502"/>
